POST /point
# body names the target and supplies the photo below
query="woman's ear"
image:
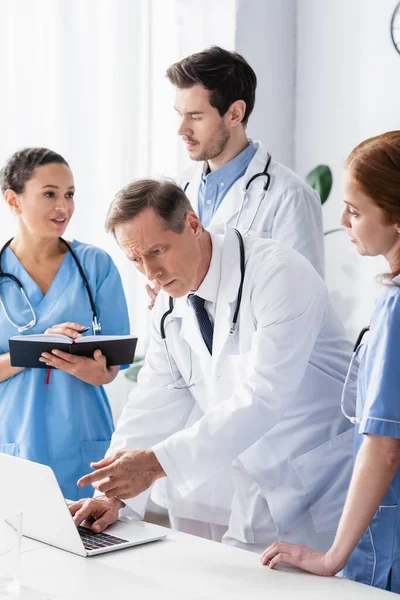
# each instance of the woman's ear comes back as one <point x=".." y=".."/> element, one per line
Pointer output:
<point x="11" y="199"/>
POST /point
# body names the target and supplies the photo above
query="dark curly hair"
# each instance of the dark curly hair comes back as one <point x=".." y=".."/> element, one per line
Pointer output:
<point x="20" y="166"/>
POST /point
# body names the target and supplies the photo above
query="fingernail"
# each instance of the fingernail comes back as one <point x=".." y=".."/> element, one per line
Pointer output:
<point x="96" y="528"/>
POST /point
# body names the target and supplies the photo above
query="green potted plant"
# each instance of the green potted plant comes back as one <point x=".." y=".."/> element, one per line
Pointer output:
<point x="320" y="178"/>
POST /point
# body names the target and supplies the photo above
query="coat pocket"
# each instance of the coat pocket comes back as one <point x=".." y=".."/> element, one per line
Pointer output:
<point x="11" y="449"/>
<point x="325" y="475"/>
<point x="93" y="451"/>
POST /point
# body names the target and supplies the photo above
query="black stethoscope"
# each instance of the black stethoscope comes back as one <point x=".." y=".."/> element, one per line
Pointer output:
<point x="353" y="419"/>
<point x="232" y="329"/>
<point x="264" y="174"/>
<point x="96" y="325"/>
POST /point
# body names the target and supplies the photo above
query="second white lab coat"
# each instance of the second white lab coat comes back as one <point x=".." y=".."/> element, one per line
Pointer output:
<point x="264" y="408"/>
<point x="290" y="212"/>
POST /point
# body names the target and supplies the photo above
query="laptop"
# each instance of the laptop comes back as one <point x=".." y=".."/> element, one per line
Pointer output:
<point x="32" y="489"/>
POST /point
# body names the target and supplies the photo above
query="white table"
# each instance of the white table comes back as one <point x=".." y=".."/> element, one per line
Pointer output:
<point x="182" y="567"/>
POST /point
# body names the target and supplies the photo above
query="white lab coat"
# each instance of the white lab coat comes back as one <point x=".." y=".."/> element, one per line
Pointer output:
<point x="290" y="212"/>
<point x="265" y="407"/>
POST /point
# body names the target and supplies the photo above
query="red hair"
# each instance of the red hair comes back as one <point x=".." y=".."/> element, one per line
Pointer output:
<point x="375" y="168"/>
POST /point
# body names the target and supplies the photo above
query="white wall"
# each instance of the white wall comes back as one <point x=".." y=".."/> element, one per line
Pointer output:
<point x="348" y="82"/>
<point x="328" y="77"/>
<point x="266" y="36"/>
<point x="348" y="89"/>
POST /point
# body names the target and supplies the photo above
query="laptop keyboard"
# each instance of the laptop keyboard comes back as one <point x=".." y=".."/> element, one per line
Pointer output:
<point x="93" y="541"/>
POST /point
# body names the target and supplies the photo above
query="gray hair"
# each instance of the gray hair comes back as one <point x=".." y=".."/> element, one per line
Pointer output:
<point x="164" y="196"/>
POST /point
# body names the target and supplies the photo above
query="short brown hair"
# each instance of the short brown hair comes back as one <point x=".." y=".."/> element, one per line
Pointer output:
<point x="164" y="196"/>
<point x="375" y="168"/>
<point x="226" y="75"/>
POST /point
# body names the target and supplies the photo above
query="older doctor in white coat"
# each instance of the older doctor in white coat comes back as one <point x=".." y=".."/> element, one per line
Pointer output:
<point x="259" y="406"/>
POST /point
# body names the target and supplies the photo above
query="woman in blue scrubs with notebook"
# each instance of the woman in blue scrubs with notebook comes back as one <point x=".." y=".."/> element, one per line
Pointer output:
<point x="61" y="417"/>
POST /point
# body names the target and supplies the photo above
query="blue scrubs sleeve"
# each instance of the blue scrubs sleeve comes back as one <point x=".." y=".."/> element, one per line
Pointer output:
<point x="111" y="304"/>
<point x="380" y="369"/>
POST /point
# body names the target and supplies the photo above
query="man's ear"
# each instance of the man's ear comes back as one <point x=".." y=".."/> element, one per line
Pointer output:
<point x="12" y="200"/>
<point x="193" y="222"/>
<point x="236" y="113"/>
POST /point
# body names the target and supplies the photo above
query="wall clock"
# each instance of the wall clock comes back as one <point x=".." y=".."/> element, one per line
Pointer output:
<point x="395" y="28"/>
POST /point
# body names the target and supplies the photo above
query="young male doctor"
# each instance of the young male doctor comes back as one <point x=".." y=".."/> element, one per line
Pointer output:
<point x="236" y="182"/>
<point x="241" y="385"/>
<point x="215" y="96"/>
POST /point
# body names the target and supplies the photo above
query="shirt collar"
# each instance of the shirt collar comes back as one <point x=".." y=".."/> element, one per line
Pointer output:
<point x="208" y="288"/>
<point x="228" y="173"/>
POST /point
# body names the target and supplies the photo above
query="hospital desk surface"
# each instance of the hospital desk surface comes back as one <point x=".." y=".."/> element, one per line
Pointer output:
<point x="179" y="567"/>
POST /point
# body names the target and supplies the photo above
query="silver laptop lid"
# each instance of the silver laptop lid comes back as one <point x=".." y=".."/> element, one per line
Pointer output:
<point x="32" y="489"/>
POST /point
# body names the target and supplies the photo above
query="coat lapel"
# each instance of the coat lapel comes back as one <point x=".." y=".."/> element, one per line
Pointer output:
<point x="190" y="333"/>
<point x="227" y="297"/>
<point x="225" y="309"/>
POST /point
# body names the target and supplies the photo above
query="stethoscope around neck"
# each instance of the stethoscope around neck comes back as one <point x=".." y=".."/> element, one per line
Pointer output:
<point x="95" y="323"/>
<point x="263" y="174"/>
<point x="176" y="385"/>
<point x="357" y="346"/>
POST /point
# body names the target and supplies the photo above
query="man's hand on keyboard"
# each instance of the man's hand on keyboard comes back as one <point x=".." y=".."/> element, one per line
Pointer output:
<point x="102" y="509"/>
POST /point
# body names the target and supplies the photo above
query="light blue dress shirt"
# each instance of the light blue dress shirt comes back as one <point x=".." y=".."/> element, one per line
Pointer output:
<point x="215" y="185"/>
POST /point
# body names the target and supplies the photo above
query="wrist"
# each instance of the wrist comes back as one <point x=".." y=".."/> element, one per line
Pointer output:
<point x="335" y="560"/>
<point x="157" y="468"/>
<point x="118" y="503"/>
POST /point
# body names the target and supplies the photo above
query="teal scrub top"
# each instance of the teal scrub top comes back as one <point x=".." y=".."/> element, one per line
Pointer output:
<point x="66" y="423"/>
<point x="376" y="559"/>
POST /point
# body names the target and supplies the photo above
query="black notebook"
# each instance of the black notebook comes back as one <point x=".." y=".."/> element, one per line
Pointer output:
<point x="25" y="350"/>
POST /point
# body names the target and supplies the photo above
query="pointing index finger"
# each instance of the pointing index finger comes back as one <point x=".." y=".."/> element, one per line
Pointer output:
<point x="97" y="475"/>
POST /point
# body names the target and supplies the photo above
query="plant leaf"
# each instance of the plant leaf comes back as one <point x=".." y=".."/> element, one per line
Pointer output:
<point x="134" y="369"/>
<point x="321" y="179"/>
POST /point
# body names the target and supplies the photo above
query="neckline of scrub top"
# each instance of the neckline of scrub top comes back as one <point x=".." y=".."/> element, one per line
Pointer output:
<point x="36" y="297"/>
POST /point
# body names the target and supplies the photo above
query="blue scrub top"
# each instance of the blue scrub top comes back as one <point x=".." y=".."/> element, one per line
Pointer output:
<point x="67" y="423"/>
<point x="376" y="559"/>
